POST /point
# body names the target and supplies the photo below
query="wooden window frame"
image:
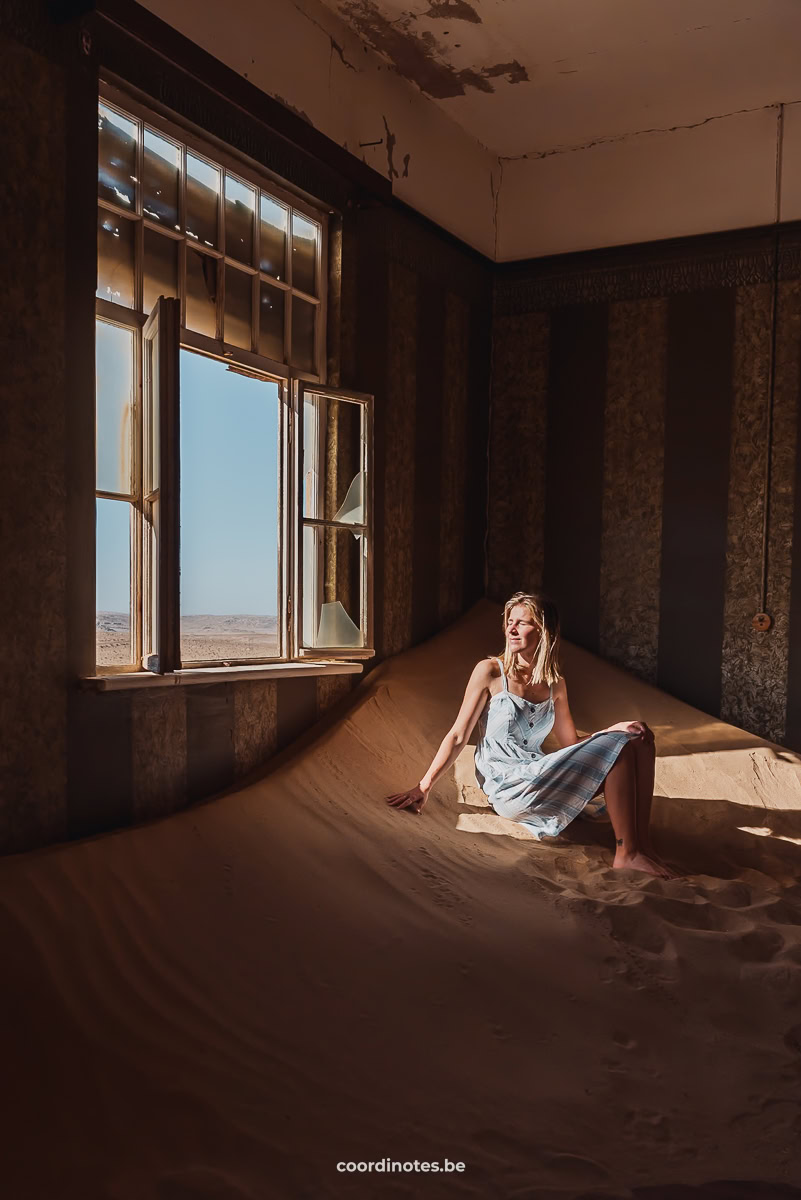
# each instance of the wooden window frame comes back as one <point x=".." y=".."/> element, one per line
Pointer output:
<point x="174" y="336"/>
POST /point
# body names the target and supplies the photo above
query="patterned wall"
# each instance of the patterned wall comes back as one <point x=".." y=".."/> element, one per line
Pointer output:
<point x="628" y="477"/>
<point x="410" y="323"/>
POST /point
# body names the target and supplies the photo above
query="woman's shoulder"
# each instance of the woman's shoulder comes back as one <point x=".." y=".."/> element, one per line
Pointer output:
<point x="559" y="687"/>
<point x="486" y="670"/>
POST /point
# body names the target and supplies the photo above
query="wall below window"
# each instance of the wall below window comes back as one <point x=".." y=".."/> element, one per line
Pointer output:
<point x="631" y="408"/>
<point x="413" y="328"/>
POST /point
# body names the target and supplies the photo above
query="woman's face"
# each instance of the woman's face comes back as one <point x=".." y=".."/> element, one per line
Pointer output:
<point x="522" y="634"/>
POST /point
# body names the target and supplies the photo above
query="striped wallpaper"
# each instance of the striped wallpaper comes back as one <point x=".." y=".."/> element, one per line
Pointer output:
<point x="414" y="330"/>
<point x="629" y="443"/>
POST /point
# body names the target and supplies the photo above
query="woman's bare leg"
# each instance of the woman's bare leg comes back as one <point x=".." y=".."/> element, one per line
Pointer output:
<point x="620" y="791"/>
<point x="645" y="755"/>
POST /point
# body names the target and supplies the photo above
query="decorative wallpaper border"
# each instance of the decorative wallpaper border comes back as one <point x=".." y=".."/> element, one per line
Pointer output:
<point x="649" y="271"/>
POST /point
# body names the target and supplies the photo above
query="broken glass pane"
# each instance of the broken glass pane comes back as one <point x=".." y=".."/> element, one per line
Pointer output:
<point x="334" y="562"/>
<point x="334" y="459"/>
<point x="201" y="292"/>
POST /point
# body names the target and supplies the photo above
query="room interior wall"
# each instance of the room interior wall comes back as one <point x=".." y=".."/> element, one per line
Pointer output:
<point x="644" y="462"/>
<point x="652" y="375"/>
<point x="413" y="328"/>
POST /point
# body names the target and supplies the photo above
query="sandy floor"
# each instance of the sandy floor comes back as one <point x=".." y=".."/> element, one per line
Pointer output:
<point x="227" y="1003"/>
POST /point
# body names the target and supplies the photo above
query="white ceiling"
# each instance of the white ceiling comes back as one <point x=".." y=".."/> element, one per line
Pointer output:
<point x="529" y="77"/>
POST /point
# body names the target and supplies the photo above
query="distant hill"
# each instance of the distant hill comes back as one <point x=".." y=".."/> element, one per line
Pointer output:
<point x="198" y="623"/>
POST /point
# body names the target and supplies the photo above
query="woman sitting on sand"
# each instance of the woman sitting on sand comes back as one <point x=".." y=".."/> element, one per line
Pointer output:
<point x="517" y="700"/>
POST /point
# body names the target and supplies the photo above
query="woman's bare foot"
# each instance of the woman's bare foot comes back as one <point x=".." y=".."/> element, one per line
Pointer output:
<point x="647" y="849"/>
<point x="641" y="862"/>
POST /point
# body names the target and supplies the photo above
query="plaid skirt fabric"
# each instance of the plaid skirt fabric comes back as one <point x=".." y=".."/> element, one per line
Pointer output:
<point x="544" y="792"/>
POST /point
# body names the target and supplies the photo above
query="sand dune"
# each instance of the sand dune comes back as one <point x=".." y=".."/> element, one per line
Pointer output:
<point x="225" y="1004"/>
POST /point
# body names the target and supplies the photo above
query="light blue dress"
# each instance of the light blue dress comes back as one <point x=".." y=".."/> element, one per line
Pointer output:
<point x="544" y="792"/>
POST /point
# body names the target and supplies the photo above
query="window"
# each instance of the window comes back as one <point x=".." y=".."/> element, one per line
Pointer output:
<point x="233" y="486"/>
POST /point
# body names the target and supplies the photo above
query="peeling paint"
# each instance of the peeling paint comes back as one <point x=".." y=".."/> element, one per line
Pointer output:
<point x="458" y="10"/>
<point x="391" y="139"/>
<point x="514" y="71"/>
<point x="419" y="57"/>
<point x="297" y="111"/>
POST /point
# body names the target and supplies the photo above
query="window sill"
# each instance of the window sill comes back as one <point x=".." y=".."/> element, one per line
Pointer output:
<point x="133" y="680"/>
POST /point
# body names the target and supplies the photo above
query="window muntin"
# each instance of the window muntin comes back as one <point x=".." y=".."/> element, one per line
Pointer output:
<point x="154" y="190"/>
<point x="246" y="264"/>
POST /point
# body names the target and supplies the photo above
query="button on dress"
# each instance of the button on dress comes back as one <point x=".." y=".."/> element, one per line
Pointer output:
<point x="544" y="792"/>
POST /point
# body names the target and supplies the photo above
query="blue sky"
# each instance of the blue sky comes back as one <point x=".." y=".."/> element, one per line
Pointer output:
<point x="229" y="496"/>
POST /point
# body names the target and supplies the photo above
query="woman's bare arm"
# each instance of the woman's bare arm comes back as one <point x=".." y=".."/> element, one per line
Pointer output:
<point x="475" y="697"/>
<point x="563" y="726"/>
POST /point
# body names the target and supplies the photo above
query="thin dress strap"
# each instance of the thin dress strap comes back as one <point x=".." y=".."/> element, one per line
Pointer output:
<point x="503" y="675"/>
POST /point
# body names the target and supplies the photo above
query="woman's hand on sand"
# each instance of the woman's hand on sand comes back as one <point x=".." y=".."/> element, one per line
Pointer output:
<point x="414" y="799"/>
<point x="637" y="727"/>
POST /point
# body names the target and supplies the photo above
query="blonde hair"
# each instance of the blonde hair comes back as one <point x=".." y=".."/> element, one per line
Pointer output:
<point x="546" y="617"/>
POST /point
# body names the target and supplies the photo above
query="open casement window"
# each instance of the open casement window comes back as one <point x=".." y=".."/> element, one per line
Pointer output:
<point x="334" y="617"/>
<point x="160" y="491"/>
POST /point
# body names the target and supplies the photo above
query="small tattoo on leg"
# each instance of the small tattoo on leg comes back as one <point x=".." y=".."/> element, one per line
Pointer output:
<point x="620" y="841"/>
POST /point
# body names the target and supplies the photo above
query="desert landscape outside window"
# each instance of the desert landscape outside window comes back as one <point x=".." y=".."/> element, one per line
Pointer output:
<point x="246" y="263"/>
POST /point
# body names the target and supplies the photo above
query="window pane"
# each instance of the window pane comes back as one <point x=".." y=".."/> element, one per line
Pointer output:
<point x="304" y="316"/>
<point x="113" y="620"/>
<point x="116" y="163"/>
<point x="160" y="175"/>
<point x="238" y="306"/>
<point x="202" y="200"/>
<point x="114" y="357"/>
<point x="333" y="586"/>
<point x="334" y="459"/>
<point x="271" y="322"/>
<point x="115" y="258"/>
<point x="201" y="292"/>
<point x="305" y="236"/>
<point x="161" y="267"/>
<point x="240" y="211"/>
<point x="229" y="513"/>
<point x="272" y="244"/>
